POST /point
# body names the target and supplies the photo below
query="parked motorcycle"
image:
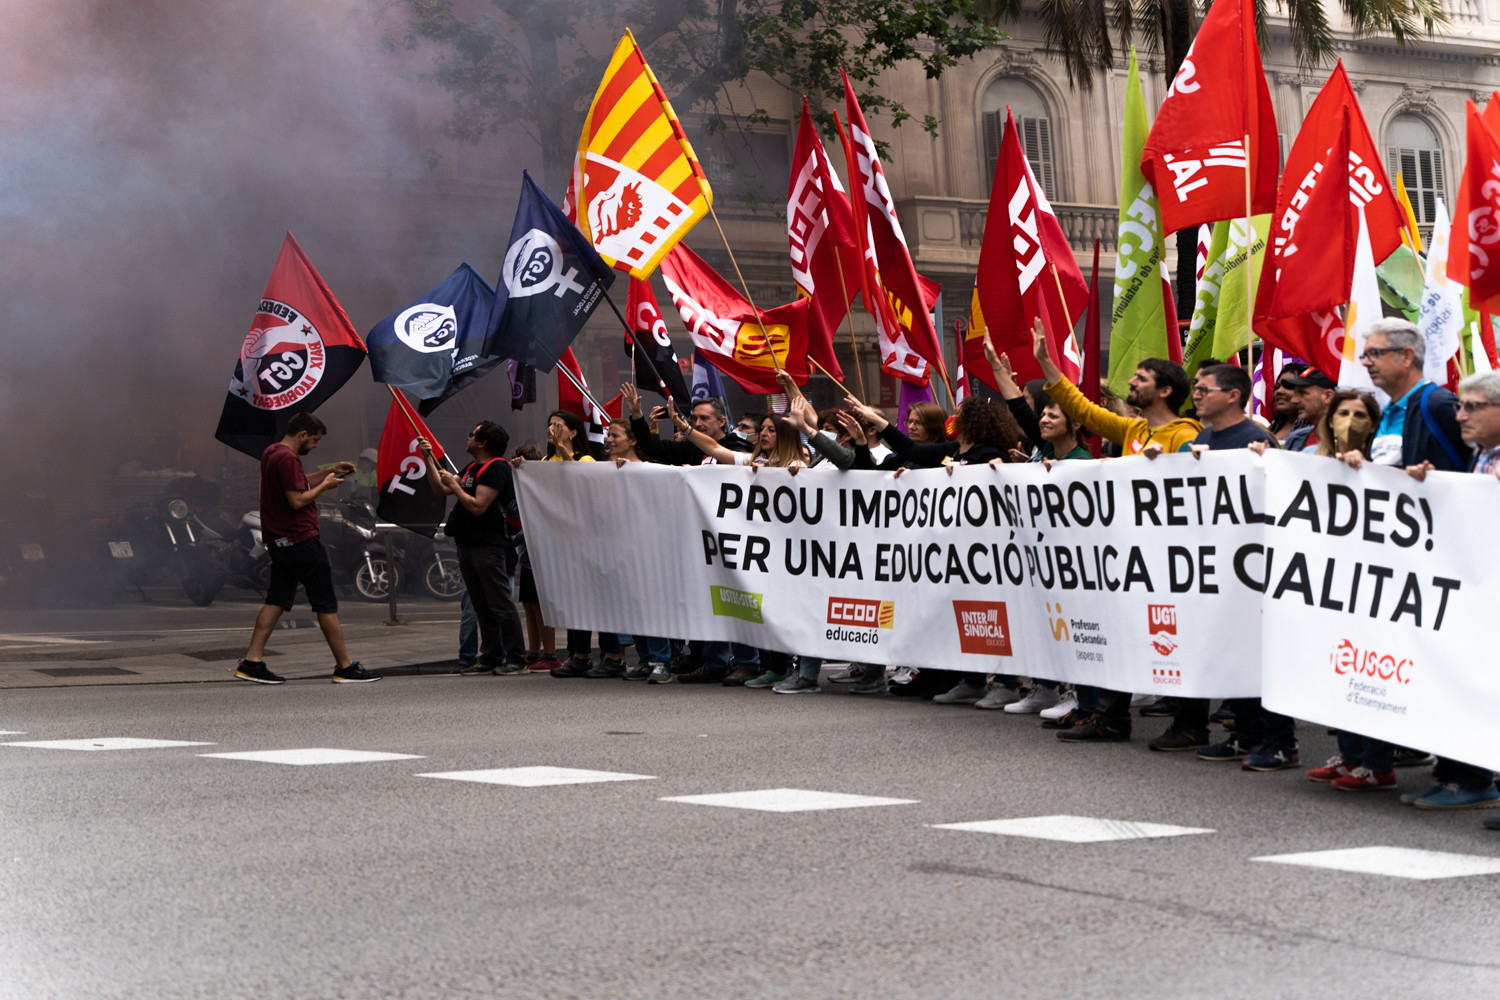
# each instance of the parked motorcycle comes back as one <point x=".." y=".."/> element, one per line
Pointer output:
<point x="430" y="565"/>
<point x="356" y="551"/>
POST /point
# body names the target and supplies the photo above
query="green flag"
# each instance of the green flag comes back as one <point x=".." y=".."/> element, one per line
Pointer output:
<point x="1220" y="324"/>
<point x="1402" y="277"/>
<point x="1138" y="325"/>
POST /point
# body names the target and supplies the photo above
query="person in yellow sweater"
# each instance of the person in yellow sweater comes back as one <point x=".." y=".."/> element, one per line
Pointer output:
<point x="1157" y="390"/>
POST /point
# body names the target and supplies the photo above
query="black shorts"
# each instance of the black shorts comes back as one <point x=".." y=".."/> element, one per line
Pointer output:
<point x="305" y="563"/>
<point x="527" y="587"/>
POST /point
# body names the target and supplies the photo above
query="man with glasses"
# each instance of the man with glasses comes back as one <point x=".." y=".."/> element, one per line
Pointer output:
<point x="486" y="494"/>
<point x="1464" y="786"/>
<point x="707" y="416"/>
<point x="1220" y="393"/>
<point x="1418" y="425"/>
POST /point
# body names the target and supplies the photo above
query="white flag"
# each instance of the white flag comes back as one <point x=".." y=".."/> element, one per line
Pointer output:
<point x="1364" y="309"/>
<point x="1441" y="321"/>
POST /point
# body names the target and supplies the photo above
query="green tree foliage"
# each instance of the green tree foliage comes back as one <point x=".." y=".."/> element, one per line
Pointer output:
<point x="532" y="65"/>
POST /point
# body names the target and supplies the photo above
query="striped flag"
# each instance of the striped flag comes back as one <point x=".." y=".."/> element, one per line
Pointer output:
<point x="638" y="184"/>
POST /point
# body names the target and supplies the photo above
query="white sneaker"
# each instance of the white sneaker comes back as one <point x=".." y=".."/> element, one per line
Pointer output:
<point x="1065" y="704"/>
<point x="1036" y="699"/>
<point x="962" y="693"/>
<point x="1137" y="700"/>
<point x="904" y="675"/>
<point x="998" y="696"/>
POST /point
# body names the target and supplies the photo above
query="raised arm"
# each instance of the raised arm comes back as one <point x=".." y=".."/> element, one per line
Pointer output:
<point x="700" y="440"/>
<point x="1105" y="423"/>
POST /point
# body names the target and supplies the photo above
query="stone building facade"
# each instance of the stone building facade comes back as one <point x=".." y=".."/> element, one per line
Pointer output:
<point x="1413" y="101"/>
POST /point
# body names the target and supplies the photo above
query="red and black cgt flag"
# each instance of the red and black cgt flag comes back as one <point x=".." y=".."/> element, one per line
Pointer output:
<point x="406" y="496"/>
<point x="300" y="349"/>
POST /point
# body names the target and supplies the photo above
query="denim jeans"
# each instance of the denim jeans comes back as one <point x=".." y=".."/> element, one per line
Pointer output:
<point x="717" y="656"/>
<point x="579" y="645"/>
<point x="1466" y="776"/>
<point x="1363" y="751"/>
<point x="1254" y="725"/>
<point x="468" y="630"/>
<point x="810" y="667"/>
<point x="487" y="579"/>
<point x="653" y="650"/>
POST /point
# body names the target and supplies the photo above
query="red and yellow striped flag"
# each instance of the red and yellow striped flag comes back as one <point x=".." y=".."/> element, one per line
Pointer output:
<point x="642" y="187"/>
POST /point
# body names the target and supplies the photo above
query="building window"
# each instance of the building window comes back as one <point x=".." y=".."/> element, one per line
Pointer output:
<point x="1413" y="151"/>
<point x="746" y="166"/>
<point x="1032" y="121"/>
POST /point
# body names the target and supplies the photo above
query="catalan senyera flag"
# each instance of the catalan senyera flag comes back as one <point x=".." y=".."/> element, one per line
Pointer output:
<point x="638" y="184"/>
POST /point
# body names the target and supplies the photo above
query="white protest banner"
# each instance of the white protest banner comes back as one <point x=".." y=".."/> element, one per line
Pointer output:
<point x="1120" y="574"/>
<point x="1376" y="609"/>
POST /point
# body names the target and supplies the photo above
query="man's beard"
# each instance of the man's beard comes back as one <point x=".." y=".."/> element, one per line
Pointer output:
<point x="1133" y="399"/>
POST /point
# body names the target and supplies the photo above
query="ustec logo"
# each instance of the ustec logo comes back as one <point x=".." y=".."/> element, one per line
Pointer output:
<point x="982" y="627"/>
<point x="1347" y="659"/>
<point x="1161" y="620"/>
<point x="861" y="613"/>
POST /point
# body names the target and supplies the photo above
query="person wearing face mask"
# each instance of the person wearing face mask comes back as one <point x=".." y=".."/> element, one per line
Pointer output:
<point x="1347" y="423"/>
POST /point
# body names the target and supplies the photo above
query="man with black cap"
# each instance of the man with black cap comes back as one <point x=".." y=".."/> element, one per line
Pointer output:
<point x="1313" y="391"/>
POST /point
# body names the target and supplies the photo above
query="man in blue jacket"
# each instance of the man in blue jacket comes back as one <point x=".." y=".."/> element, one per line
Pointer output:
<point x="1419" y="428"/>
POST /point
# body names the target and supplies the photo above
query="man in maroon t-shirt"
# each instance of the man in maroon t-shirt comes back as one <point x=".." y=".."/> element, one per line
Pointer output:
<point x="289" y="527"/>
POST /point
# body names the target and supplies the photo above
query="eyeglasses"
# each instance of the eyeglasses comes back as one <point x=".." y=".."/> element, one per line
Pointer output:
<point x="1204" y="390"/>
<point x="1375" y="352"/>
<point x="1473" y="406"/>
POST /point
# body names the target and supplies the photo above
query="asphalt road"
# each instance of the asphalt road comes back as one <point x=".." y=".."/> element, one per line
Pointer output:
<point x="161" y="873"/>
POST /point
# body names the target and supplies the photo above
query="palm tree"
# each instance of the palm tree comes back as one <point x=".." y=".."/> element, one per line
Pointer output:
<point x="1082" y="33"/>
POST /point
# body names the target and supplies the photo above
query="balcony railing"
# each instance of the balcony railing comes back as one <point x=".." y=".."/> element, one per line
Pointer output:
<point x="954" y="227"/>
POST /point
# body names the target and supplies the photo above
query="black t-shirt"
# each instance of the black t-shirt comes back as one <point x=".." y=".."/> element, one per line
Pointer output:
<point x="1240" y="435"/>
<point x="487" y="528"/>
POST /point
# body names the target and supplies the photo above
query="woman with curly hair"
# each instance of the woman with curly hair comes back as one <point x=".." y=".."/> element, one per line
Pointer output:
<point x="985" y="431"/>
<point x="983" y="428"/>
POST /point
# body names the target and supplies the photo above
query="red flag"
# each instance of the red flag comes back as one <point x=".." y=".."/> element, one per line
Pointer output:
<point x="300" y="350"/>
<point x="1169" y="316"/>
<point x="405" y="496"/>
<point x="1474" y="251"/>
<point x="825" y="251"/>
<point x="1090" y="385"/>
<point x="1312" y="268"/>
<point x="896" y="276"/>
<point x="656" y="367"/>
<point x="1023" y="245"/>
<point x="723" y="325"/>
<point x="1458" y="262"/>
<point x="576" y="398"/>
<point x="1194" y="156"/>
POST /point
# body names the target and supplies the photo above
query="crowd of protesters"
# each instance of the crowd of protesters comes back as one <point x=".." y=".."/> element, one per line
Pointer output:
<point x="1423" y="427"/>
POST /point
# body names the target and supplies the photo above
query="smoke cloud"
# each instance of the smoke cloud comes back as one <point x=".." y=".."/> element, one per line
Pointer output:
<point x="152" y="154"/>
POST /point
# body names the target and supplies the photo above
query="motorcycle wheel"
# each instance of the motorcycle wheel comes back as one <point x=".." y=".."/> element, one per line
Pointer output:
<point x="201" y="590"/>
<point x="442" y="580"/>
<point x="377" y="586"/>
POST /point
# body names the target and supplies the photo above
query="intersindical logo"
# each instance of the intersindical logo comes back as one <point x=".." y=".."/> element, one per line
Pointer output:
<point x="983" y="627"/>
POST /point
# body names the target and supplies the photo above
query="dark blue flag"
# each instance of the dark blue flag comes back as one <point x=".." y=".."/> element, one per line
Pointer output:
<point x="434" y="346"/>
<point x="551" y="282"/>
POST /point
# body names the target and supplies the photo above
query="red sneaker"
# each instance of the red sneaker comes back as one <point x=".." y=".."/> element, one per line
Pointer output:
<point x="1335" y="768"/>
<point x="1362" y="779"/>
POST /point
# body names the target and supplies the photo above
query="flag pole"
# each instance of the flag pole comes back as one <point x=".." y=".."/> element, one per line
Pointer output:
<point x="849" y="314"/>
<point x="759" y="320"/>
<point x="1066" y="315"/>
<point x="583" y="389"/>
<point x="634" y="347"/>
<point x="411" y="418"/>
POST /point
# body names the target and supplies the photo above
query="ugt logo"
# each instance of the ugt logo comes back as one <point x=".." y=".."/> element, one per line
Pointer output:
<point x="1161" y="621"/>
